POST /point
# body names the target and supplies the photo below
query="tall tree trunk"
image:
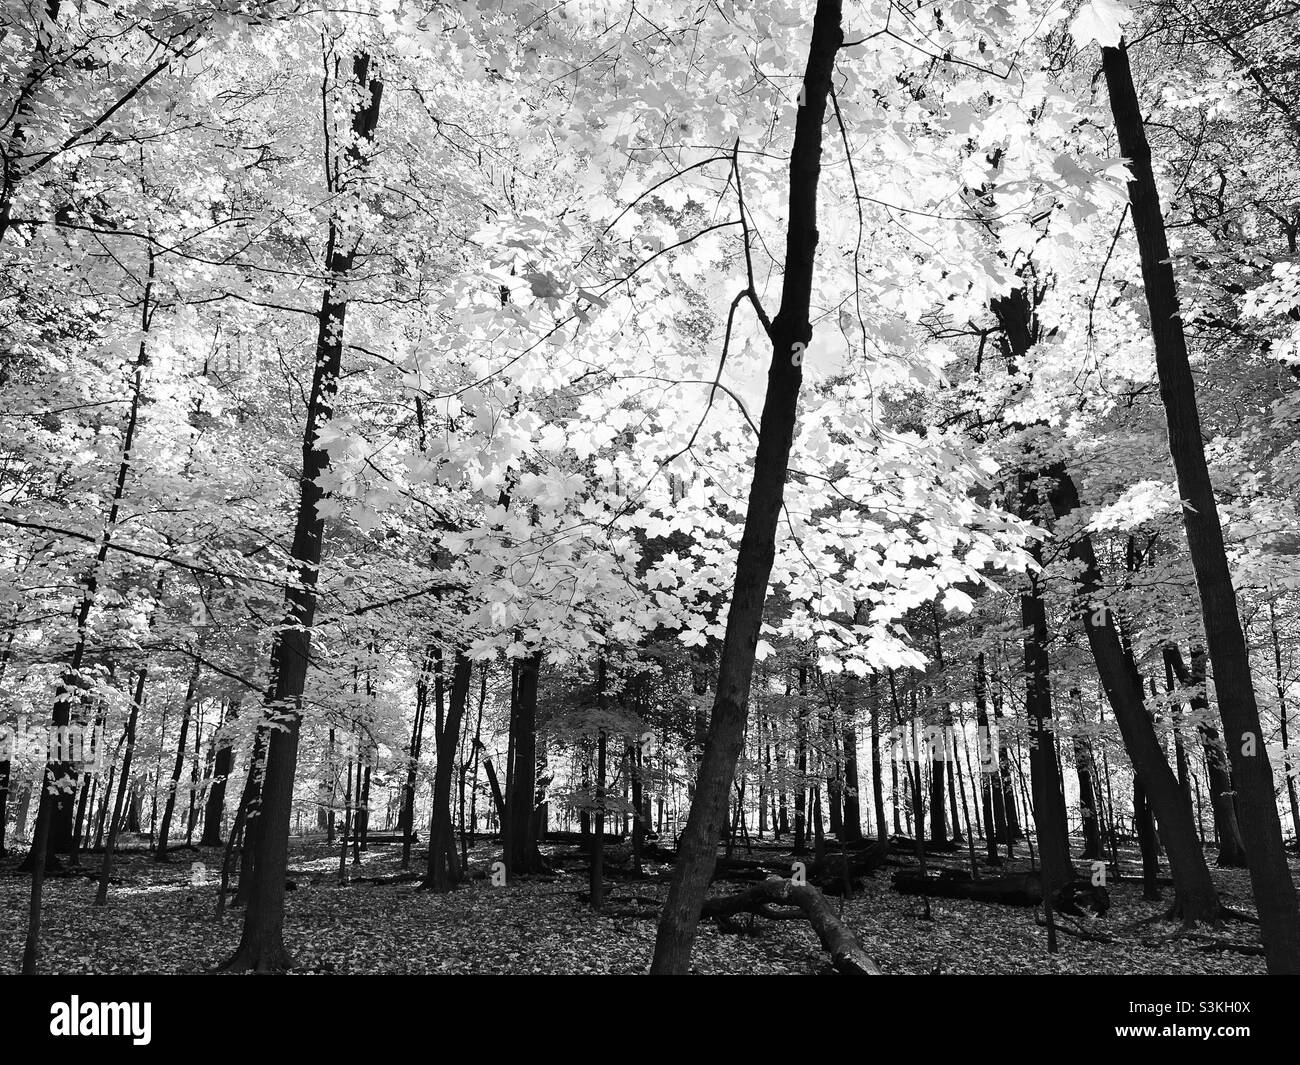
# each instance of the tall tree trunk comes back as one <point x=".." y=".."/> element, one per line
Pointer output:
<point x="1089" y="821"/>
<point x="169" y="808"/>
<point x="223" y="765"/>
<point x="595" y="882"/>
<point x="1227" y="831"/>
<point x="1049" y="809"/>
<point x="801" y="774"/>
<point x="192" y="814"/>
<point x="1288" y="767"/>
<point x="1195" y="897"/>
<point x="790" y="333"/>
<point x="852" y="794"/>
<point x="877" y="767"/>
<point x="1275" y="894"/>
<point x="56" y="776"/>
<point x="261" y="946"/>
<point x="443" y="871"/>
<point x="407" y="819"/>
<point x="991" y="775"/>
<point x="133" y="717"/>
<point x="835" y="777"/>
<point x="938" y="802"/>
<point x="1145" y="827"/>
<point x="764" y="761"/>
<point x="5" y="776"/>
<point x="519" y="827"/>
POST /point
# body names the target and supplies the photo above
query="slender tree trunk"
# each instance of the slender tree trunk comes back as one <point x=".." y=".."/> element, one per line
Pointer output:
<point x="595" y="884"/>
<point x="223" y="765"/>
<point x="1049" y="810"/>
<point x="835" y="776"/>
<point x="192" y="814"/>
<point x="852" y="794"/>
<point x="995" y="813"/>
<point x="5" y="776"/>
<point x="133" y="717"/>
<point x="443" y="870"/>
<point x="262" y="946"/>
<point x="1288" y="767"/>
<point x="169" y="808"/>
<point x="1145" y="827"/>
<point x="1088" y="818"/>
<point x="697" y="851"/>
<point x="1227" y="831"/>
<point x="938" y="801"/>
<point x="347" y="822"/>
<point x="1195" y="897"/>
<point x="801" y="772"/>
<point x="413" y="762"/>
<point x="1275" y="894"/>
<point x="877" y="767"/>
<point x="53" y="791"/>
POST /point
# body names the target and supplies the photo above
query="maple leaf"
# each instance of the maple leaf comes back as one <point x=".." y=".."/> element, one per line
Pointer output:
<point x="1102" y="21"/>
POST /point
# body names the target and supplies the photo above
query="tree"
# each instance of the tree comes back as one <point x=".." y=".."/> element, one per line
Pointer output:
<point x="262" y="946"/>
<point x="790" y="333"/>
<point x="1261" y="827"/>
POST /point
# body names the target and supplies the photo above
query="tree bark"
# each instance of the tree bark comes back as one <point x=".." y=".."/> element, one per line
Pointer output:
<point x="1275" y="893"/>
<point x="1195" y="897"/>
<point x="223" y="765"/>
<point x="106" y="866"/>
<point x="697" y="850"/>
<point x="169" y="808"/>
<point x="847" y="954"/>
<point x="519" y="826"/>
<point x="852" y="793"/>
<point x="1232" y="851"/>
<point x="407" y="819"/>
<point x="443" y="870"/>
<point x="261" y="946"/>
<point x="1145" y="827"/>
<point x="877" y="767"/>
<point x="1049" y="809"/>
<point x="1288" y="767"/>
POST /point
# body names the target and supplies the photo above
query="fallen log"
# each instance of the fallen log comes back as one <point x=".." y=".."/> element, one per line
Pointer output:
<point x="847" y="954"/>
<point x="827" y="873"/>
<point x="830" y="872"/>
<point x="1022" y="889"/>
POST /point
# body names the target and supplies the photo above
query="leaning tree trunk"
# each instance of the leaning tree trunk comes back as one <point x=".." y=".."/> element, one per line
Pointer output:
<point x="790" y="333"/>
<point x="261" y="946"/>
<point x="1275" y="894"/>
<point x="1195" y="897"/>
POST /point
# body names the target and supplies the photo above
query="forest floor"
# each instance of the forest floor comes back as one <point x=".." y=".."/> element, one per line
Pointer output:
<point x="157" y="922"/>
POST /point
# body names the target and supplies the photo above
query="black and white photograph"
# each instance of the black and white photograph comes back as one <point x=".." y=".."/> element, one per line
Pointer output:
<point x="650" y="487"/>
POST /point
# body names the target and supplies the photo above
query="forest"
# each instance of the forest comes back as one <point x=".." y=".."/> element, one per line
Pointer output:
<point x="828" y="469"/>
